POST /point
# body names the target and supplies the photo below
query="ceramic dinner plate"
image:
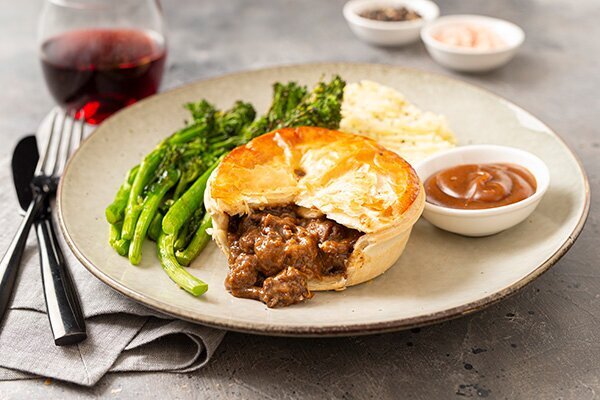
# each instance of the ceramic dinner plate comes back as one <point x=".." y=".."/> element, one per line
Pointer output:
<point x="439" y="276"/>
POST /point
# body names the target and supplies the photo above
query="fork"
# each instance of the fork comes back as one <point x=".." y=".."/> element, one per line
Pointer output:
<point x="62" y="302"/>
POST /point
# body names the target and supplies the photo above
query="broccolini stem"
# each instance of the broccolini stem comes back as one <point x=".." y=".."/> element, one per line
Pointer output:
<point x="155" y="227"/>
<point x="182" y="237"/>
<point x="149" y="209"/>
<point x="115" y="233"/>
<point x="120" y="245"/>
<point x="142" y="178"/>
<point x="176" y="272"/>
<point x="188" y="133"/>
<point x="116" y="210"/>
<point x="185" y="206"/>
<point x="198" y="243"/>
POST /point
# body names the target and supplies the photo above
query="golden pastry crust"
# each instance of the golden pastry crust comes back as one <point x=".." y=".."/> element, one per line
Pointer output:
<point x="350" y="179"/>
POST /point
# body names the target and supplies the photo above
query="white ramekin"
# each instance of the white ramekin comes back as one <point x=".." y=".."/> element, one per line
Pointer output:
<point x="389" y="33"/>
<point x="487" y="221"/>
<point x="473" y="60"/>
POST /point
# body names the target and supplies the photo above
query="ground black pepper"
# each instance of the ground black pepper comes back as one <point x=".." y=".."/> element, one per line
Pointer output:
<point x="391" y="14"/>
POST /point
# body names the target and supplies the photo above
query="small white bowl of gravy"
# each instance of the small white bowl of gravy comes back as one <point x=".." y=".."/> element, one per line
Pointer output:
<point x="481" y="190"/>
<point x="472" y="43"/>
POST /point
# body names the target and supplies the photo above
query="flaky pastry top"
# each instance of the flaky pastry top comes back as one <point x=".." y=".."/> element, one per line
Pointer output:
<point x="350" y="178"/>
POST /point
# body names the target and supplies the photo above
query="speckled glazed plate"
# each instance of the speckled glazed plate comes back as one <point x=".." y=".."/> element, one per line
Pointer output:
<point x="439" y="276"/>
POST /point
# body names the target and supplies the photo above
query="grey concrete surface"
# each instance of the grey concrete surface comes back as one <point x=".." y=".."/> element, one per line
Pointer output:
<point x="542" y="343"/>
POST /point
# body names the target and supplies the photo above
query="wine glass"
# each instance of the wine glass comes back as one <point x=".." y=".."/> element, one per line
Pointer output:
<point x="99" y="56"/>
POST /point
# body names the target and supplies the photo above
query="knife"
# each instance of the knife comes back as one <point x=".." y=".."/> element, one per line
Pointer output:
<point x="9" y="265"/>
<point x="62" y="302"/>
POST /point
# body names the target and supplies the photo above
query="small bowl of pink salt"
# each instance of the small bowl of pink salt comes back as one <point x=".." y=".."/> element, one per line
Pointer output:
<point x="472" y="43"/>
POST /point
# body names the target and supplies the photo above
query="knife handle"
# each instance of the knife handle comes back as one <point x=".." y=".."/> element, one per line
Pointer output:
<point x="62" y="302"/>
<point x="12" y="258"/>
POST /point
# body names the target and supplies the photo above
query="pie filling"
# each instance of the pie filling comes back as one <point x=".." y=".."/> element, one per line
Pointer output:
<point x="275" y="252"/>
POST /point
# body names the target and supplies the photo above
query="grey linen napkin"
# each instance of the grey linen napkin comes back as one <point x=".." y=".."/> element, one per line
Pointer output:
<point x="122" y="335"/>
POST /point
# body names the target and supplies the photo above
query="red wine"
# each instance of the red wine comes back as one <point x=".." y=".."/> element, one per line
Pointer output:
<point x="99" y="71"/>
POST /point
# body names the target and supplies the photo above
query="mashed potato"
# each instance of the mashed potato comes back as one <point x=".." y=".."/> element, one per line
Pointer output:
<point x="383" y="114"/>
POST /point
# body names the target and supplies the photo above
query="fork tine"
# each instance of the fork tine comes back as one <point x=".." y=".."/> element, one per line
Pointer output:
<point x="59" y="156"/>
<point x="82" y="127"/>
<point x="41" y="165"/>
<point x="72" y="142"/>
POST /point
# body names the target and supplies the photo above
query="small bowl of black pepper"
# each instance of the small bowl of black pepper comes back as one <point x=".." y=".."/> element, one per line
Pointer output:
<point x="389" y="22"/>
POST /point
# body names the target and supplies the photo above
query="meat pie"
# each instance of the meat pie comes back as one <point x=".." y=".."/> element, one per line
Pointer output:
<point x="306" y="209"/>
